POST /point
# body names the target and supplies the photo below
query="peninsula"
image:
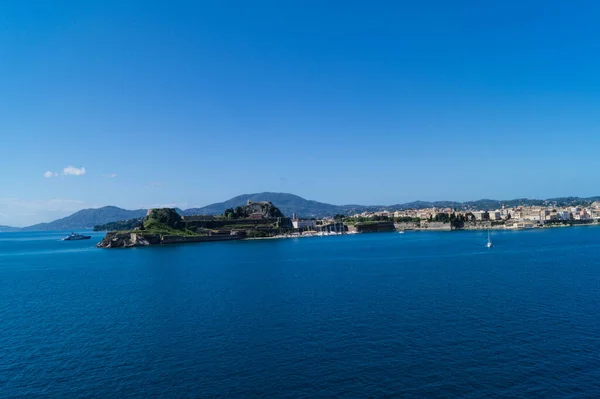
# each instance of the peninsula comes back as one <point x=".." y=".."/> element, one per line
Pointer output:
<point x="166" y="226"/>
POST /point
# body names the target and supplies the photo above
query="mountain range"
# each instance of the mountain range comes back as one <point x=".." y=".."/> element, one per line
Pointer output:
<point x="287" y="203"/>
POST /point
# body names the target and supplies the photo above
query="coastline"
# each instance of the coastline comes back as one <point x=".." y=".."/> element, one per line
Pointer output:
<point x="137" y="238"/>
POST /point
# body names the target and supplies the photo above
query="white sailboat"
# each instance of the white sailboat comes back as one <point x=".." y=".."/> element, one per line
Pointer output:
<point x="489" y="242"/>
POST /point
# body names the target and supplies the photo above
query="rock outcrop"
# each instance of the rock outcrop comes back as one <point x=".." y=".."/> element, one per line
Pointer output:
<point x="131" y="240"/>
<point x="128" y="240"/>
<point x="166" y="226"/>
<point x="163" y="217"/>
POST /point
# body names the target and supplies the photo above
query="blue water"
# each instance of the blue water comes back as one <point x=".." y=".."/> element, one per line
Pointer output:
<point x="415" y="315"/>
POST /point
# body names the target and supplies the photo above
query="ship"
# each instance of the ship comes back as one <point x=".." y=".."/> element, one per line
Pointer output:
<point x="76" y="237"/>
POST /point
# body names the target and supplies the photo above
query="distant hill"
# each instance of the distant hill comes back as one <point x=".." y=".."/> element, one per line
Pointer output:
<point x="425" y="204"/>
<point x="288" y="204"/>
<point x="8" y="229"/>
<point x="88" y="218"/>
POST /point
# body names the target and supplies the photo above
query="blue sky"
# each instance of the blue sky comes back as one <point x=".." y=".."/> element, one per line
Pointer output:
<point x="189" y="103"/>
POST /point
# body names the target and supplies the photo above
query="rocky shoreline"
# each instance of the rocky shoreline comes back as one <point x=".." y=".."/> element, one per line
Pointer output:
<point x="132" y="240"/>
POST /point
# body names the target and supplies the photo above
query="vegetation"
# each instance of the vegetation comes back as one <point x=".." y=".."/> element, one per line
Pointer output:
<point x="237" y="227"/>
<point x="165" y="221"/>
<point x="368" y="222"/>
<point x="255" y="233"/>
<point x="161" y="229"/>
<point x="120" y="225"/>
<point x="560" y="221"/>
<point x="265" y="209"/>
<point x="164" y="216"/>
<point x="407" y="219"/>
<point x="367" y="219"/>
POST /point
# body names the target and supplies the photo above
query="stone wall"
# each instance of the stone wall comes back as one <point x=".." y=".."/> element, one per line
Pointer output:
<point x="375" y="227"/>
<point x="194" y="222"/>
<point x="127" y="240"/>
<point x="436" y="226"/>
<point x="182" y="239"/>
<point x="407" y="226"/>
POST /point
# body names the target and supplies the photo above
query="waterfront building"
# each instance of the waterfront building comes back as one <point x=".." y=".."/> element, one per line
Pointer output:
<point x="495" y="215"/>
<point x="304" y="224"/>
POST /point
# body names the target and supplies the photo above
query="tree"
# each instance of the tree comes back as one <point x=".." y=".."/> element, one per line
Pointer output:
<point x="442" y="217"/>
<point x="457" y="223"/>
<point x="229" y="213"/>
<point x="240" y="212"/>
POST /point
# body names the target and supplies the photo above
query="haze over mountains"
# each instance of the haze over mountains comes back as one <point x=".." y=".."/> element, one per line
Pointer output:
<point x="287" y="203"/>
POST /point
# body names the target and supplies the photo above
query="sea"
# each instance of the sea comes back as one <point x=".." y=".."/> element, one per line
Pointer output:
<point x="414" y="315"/>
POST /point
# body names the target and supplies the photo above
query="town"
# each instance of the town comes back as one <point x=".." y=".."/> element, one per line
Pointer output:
<point x="520" y="217"/>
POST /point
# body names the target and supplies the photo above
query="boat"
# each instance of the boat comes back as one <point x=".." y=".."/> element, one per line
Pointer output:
<point x="489" y="242"/>
<point x="401" y="232"/>
<point x="76" y="237"/>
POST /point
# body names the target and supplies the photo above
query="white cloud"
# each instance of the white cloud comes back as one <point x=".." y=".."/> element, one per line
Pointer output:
<point x="50" y="174"/>
<point x="73" y="171"/>
<point x="110" y="175"/>
<point x="155" y="184"/>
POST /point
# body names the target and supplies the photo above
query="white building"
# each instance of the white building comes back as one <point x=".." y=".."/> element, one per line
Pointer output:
<point x="495" y="215"/>
<point x="521" y="225"/>
<point x="532" y="216"/>
<point x="304" y="224"/>
<point x="482" y="215"/>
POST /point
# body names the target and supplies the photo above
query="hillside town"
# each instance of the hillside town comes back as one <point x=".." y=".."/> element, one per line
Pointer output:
<point x="505" y="218"/>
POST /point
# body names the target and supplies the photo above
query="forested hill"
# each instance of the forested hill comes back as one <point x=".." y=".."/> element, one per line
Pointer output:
<point x="287" y="203"/>
<point x="88" y="218"/>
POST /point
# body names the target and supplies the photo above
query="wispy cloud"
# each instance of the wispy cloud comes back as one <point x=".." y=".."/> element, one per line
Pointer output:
<point x="154" y="184"/>
<point x="73" y="171"/>
<point x="70" y="171"/>
<point x="110" y="175"/>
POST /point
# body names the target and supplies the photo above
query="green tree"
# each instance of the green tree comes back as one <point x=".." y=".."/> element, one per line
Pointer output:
<point x="240" y="212"/>
<point x="442" y="217"/>
<point x="229" y="213"/>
